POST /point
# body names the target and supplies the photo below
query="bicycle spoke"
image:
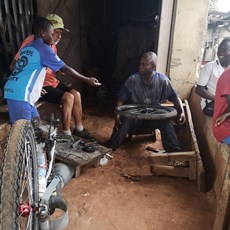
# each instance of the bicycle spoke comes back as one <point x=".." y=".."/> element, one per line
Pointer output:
<point x="19" y="192"/>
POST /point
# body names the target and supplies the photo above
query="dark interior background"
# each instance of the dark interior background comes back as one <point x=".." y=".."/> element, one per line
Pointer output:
<point x="113" y="35"/>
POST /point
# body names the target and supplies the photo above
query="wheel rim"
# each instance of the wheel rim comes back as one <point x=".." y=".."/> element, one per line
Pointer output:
<point x="146" y="112"/>
<point x="27" y="205"/>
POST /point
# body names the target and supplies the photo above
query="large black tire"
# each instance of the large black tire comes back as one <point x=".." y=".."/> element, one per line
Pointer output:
<point x="19" y="178"/>
<point x="146" y="112"/>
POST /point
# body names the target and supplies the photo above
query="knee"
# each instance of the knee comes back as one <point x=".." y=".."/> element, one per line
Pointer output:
<point x="76" y="94"/>
<point x="67" y="98"/>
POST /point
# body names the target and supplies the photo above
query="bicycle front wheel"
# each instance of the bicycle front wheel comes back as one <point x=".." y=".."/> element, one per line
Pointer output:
<point x="19" y="179"/>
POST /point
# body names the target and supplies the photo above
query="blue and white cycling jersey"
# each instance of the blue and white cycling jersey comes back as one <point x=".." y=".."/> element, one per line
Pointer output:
<point x="26" y="81"/>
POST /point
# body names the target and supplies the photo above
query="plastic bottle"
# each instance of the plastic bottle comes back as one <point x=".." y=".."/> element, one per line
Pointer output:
<point x="42" y="168"/>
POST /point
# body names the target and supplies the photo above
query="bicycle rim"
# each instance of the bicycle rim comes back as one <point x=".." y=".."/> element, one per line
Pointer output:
<point x="146" y="112"/>
<point x="19" y="179"/>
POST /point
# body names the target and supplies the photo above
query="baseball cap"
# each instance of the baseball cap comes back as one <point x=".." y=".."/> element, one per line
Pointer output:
<point x="56" y="21"/>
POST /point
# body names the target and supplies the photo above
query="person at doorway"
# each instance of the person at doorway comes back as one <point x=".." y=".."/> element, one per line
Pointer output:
<point x="209" y="75"/>
<point x="24" y="85"/>
<point x="147" y="87"/>
<point x="55" y="91"/>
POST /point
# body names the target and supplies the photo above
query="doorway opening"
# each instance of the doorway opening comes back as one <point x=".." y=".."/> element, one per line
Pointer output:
<point x="114" y="34"/>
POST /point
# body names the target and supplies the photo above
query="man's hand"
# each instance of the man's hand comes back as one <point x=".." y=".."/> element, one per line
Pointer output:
<point x="93" y="81"/>
<point x="182" y="118"/>
<point x="180" y="111"/>
<point x="221" y="119"/>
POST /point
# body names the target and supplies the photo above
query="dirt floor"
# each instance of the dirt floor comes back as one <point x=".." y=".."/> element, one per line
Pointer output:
<point x="101" y="199"/>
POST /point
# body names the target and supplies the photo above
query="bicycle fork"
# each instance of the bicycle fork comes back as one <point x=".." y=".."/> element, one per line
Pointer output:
<point x="62" y="174"/>
<point x="50" y="197"/>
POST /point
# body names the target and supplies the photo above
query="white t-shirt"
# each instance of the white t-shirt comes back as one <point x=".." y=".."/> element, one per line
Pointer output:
<point x="209" y="76"/>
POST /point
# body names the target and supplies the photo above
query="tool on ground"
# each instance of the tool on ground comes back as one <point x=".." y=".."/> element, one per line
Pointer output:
<point x="131" y="177"/>
<point x="150" y="148"/>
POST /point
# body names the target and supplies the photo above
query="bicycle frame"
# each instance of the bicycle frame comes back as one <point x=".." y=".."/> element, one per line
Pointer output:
<point x="56" y="176"/>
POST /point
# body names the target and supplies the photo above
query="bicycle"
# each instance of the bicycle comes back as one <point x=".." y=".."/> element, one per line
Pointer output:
<point x="28" y="197"/>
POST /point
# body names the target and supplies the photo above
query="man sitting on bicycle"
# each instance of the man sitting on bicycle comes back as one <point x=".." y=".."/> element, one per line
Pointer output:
<point x="23" y="88"/>
<point x="151" y="88"/>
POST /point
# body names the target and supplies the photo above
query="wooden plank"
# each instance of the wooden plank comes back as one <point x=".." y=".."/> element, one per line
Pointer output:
<point x="77" y="171"/>
<point x="193" y="168"/>
<point x="222" y="218"/>
<point x="170" y="157"/>
<point x="73" y="152"/>
<point x="200" y="173"/>
<point x="66" y="153"/>
<point x="166" y="170"/>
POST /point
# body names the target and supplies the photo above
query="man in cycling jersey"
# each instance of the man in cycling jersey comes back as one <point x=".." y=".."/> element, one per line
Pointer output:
<point x="54" y="91"/>
<point x="24" y="85"/>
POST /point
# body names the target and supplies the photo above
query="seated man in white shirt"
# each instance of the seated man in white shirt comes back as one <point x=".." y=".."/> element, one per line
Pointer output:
<point x="210" y="73"/>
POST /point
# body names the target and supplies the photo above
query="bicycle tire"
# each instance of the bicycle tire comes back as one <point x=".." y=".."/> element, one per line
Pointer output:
<point x="146" y="112"/>
<point x="19" y="178"/>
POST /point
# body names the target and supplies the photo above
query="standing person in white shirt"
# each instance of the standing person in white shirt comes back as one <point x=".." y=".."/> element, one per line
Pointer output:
<point x="210" y="73"/>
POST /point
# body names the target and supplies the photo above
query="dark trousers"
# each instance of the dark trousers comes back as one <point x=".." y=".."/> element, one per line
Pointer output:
<point x="168" y="133"/>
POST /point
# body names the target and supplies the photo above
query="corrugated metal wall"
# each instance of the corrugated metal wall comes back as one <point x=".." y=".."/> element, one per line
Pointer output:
<point x="16" y="18"/>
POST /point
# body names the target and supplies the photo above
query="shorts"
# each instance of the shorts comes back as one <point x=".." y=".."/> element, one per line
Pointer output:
<point x="21" y="110"/>
<point x="54" y="95"/>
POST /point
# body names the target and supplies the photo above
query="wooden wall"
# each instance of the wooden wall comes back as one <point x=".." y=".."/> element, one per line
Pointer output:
<point x="216" y="159"/>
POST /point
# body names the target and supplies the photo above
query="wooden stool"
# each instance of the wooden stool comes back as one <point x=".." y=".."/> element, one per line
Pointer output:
<point x="168" y="164"/>
<point x="142" y="131"/>
<point x="66" y="152"/>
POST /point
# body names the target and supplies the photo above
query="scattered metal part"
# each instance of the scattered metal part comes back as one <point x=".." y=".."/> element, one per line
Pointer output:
<point x="85" y="194"/>
<point x="76" y="144"/>
<point x="88" y="149"/>
<point x="131" y="177"/>
<point x="108" y="156"/>
<point x="84" y="146"/>
<point x="150" y="148"/>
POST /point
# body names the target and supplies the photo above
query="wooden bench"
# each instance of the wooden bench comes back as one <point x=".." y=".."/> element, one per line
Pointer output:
<point x="168" y="164"/>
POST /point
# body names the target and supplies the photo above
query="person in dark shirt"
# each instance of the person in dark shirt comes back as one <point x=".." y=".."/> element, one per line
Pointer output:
<point x="151" y="88"/>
